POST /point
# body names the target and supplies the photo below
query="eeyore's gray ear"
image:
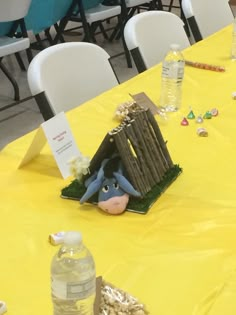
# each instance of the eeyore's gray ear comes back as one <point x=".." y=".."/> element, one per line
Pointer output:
<point x="89" y="180"/>
<point x="93" y="184"/>
<point x="93" y="187"/>
<point x="125" y="185"/>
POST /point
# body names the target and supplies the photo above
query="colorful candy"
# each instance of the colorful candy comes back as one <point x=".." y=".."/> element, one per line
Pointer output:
<point x="191" y="115"/>
<point x="202" y="132"/>
<point x="199" y="119"/>
<point x="184" y="122"/>
<point x="214" y="112"/>
<point x="207" y="115"/>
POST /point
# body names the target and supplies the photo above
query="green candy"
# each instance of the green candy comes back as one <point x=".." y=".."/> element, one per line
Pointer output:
<point x="207" y="115"/>
<point x="191" y="115"/>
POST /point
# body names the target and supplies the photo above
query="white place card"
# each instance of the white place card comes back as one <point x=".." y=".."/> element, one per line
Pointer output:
<point x="56" y="131"/>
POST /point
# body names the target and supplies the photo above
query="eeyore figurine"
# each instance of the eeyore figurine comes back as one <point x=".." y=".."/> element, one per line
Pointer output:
<point x="112" y="187"/>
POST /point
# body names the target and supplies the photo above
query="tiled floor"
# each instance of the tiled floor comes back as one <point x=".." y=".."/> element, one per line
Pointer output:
<point x="24" y="117"/>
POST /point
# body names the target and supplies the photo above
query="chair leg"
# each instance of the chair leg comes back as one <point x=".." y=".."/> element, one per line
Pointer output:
<point x="170" y="5"/>
<point x="48" y="35"/>
<point x="159" y="5"/>
<point x="127" y="54"/>
<point x="12" y="80"/>
<point x="115" y="31"/>
<point x="20" y="61"/>
<point x="59" y="29"/>
<point x="153" y="6"/>
<point x="104" y="33"/>
<point x="29" y="54"/>
<point x="39" y="44"/>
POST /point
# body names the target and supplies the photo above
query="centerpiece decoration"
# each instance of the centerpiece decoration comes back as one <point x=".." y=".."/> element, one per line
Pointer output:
<point x="130" y="169"/>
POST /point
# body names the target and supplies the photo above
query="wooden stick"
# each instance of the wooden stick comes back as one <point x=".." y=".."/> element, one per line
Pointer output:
<point x="151" y="146"/>
<point x="160" y="138"/>
<point x="146" y="174"/>
<point x="158" y="149"/>
<point x="106" y="148"/>
<point x="129" y="161"/>
<point x="146" y="155"/>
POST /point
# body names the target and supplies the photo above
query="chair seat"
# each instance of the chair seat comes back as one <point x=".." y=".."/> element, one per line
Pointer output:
<point x="134" y="3"/>
<point x="101" y="12"/>
<point x="10" y="45"/>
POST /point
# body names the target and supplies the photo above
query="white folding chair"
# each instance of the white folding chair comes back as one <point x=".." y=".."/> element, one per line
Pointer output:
<point x="206" y="17"/>
<point x="148" y="36"/>
<point x="14" y="11"/>
<point x="94" y="17"/>
<point x="66" y="75"/>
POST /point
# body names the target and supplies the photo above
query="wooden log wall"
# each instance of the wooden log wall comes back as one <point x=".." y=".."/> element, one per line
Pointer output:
<point x="139" y="142"/>
<point x="143" y="150"/>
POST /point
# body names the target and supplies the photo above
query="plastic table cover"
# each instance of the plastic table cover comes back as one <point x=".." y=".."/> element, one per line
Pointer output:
<point x="179" y="258"/>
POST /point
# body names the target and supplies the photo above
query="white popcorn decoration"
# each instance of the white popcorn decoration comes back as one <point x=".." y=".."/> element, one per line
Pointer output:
<point x="3" y="307"/>
<point x="124" y="109"/>
<point x="79" y="166"/>
<point x="115" y="301"/>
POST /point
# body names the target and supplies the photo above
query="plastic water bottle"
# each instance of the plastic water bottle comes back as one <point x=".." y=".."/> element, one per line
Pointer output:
<point x="73" y="278"/>
<point x="233" y="48"/>
<point x="172" y="77"/>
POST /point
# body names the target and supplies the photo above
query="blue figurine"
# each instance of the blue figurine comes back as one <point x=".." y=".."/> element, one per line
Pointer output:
<point x="112" y="187"/>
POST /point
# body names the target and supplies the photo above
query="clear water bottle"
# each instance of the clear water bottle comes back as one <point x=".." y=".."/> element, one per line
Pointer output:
<point x="73" y="278"/>
<point x="233" y="48"/>
<point x="172" y="77"/>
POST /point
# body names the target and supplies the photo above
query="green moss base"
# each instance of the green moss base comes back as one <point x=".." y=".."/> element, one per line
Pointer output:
<point x="76" y="190"/>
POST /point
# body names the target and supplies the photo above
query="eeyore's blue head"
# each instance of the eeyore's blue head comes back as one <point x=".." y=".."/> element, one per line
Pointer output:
<point x="112" y="187"/>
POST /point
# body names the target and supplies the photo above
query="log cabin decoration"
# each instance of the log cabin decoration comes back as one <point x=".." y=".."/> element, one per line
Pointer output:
<point x="146" y="160"/>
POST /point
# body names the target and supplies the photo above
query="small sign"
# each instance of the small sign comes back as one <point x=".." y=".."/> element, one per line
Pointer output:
<point x="143" y="100"/>
<point x="56" y="131"/>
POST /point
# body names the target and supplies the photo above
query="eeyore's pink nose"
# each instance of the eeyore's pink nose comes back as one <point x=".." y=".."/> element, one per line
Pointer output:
<point x="115" y="205"/>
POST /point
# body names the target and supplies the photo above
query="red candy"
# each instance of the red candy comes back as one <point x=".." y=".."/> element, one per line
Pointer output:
<point x="184" y="122"/>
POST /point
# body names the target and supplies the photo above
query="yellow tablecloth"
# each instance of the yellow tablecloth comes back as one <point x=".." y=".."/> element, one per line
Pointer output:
<point x="180" y="258"/>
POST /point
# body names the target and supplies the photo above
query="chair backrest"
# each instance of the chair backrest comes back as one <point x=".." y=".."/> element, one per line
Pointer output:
<point x="70" y="74"/>
<point x="11" y="10"/>
<point x="206" y="17"/>
<point x="45" y="13"/>
<point x="148" y="36"/>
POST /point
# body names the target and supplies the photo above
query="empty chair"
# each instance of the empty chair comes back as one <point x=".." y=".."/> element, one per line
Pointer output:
<point x="129" y="8"/>
<point x="206" y="17"/>
<point x="66" y="75"/>
<point x="44" y="15"/>
<point x="14" y="11"/>
<point x="93" y="15"/>
<point x="148" y="36"/>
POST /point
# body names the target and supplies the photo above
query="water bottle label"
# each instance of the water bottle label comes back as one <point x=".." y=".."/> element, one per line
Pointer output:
<point x="73" y="290"/>
<point x="173" y="71"/>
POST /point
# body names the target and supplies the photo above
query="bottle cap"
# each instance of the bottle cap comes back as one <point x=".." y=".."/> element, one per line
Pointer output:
<point x="175" y="47"/>
<point x="57" y="238"/>
<point x="72" y="238"/>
